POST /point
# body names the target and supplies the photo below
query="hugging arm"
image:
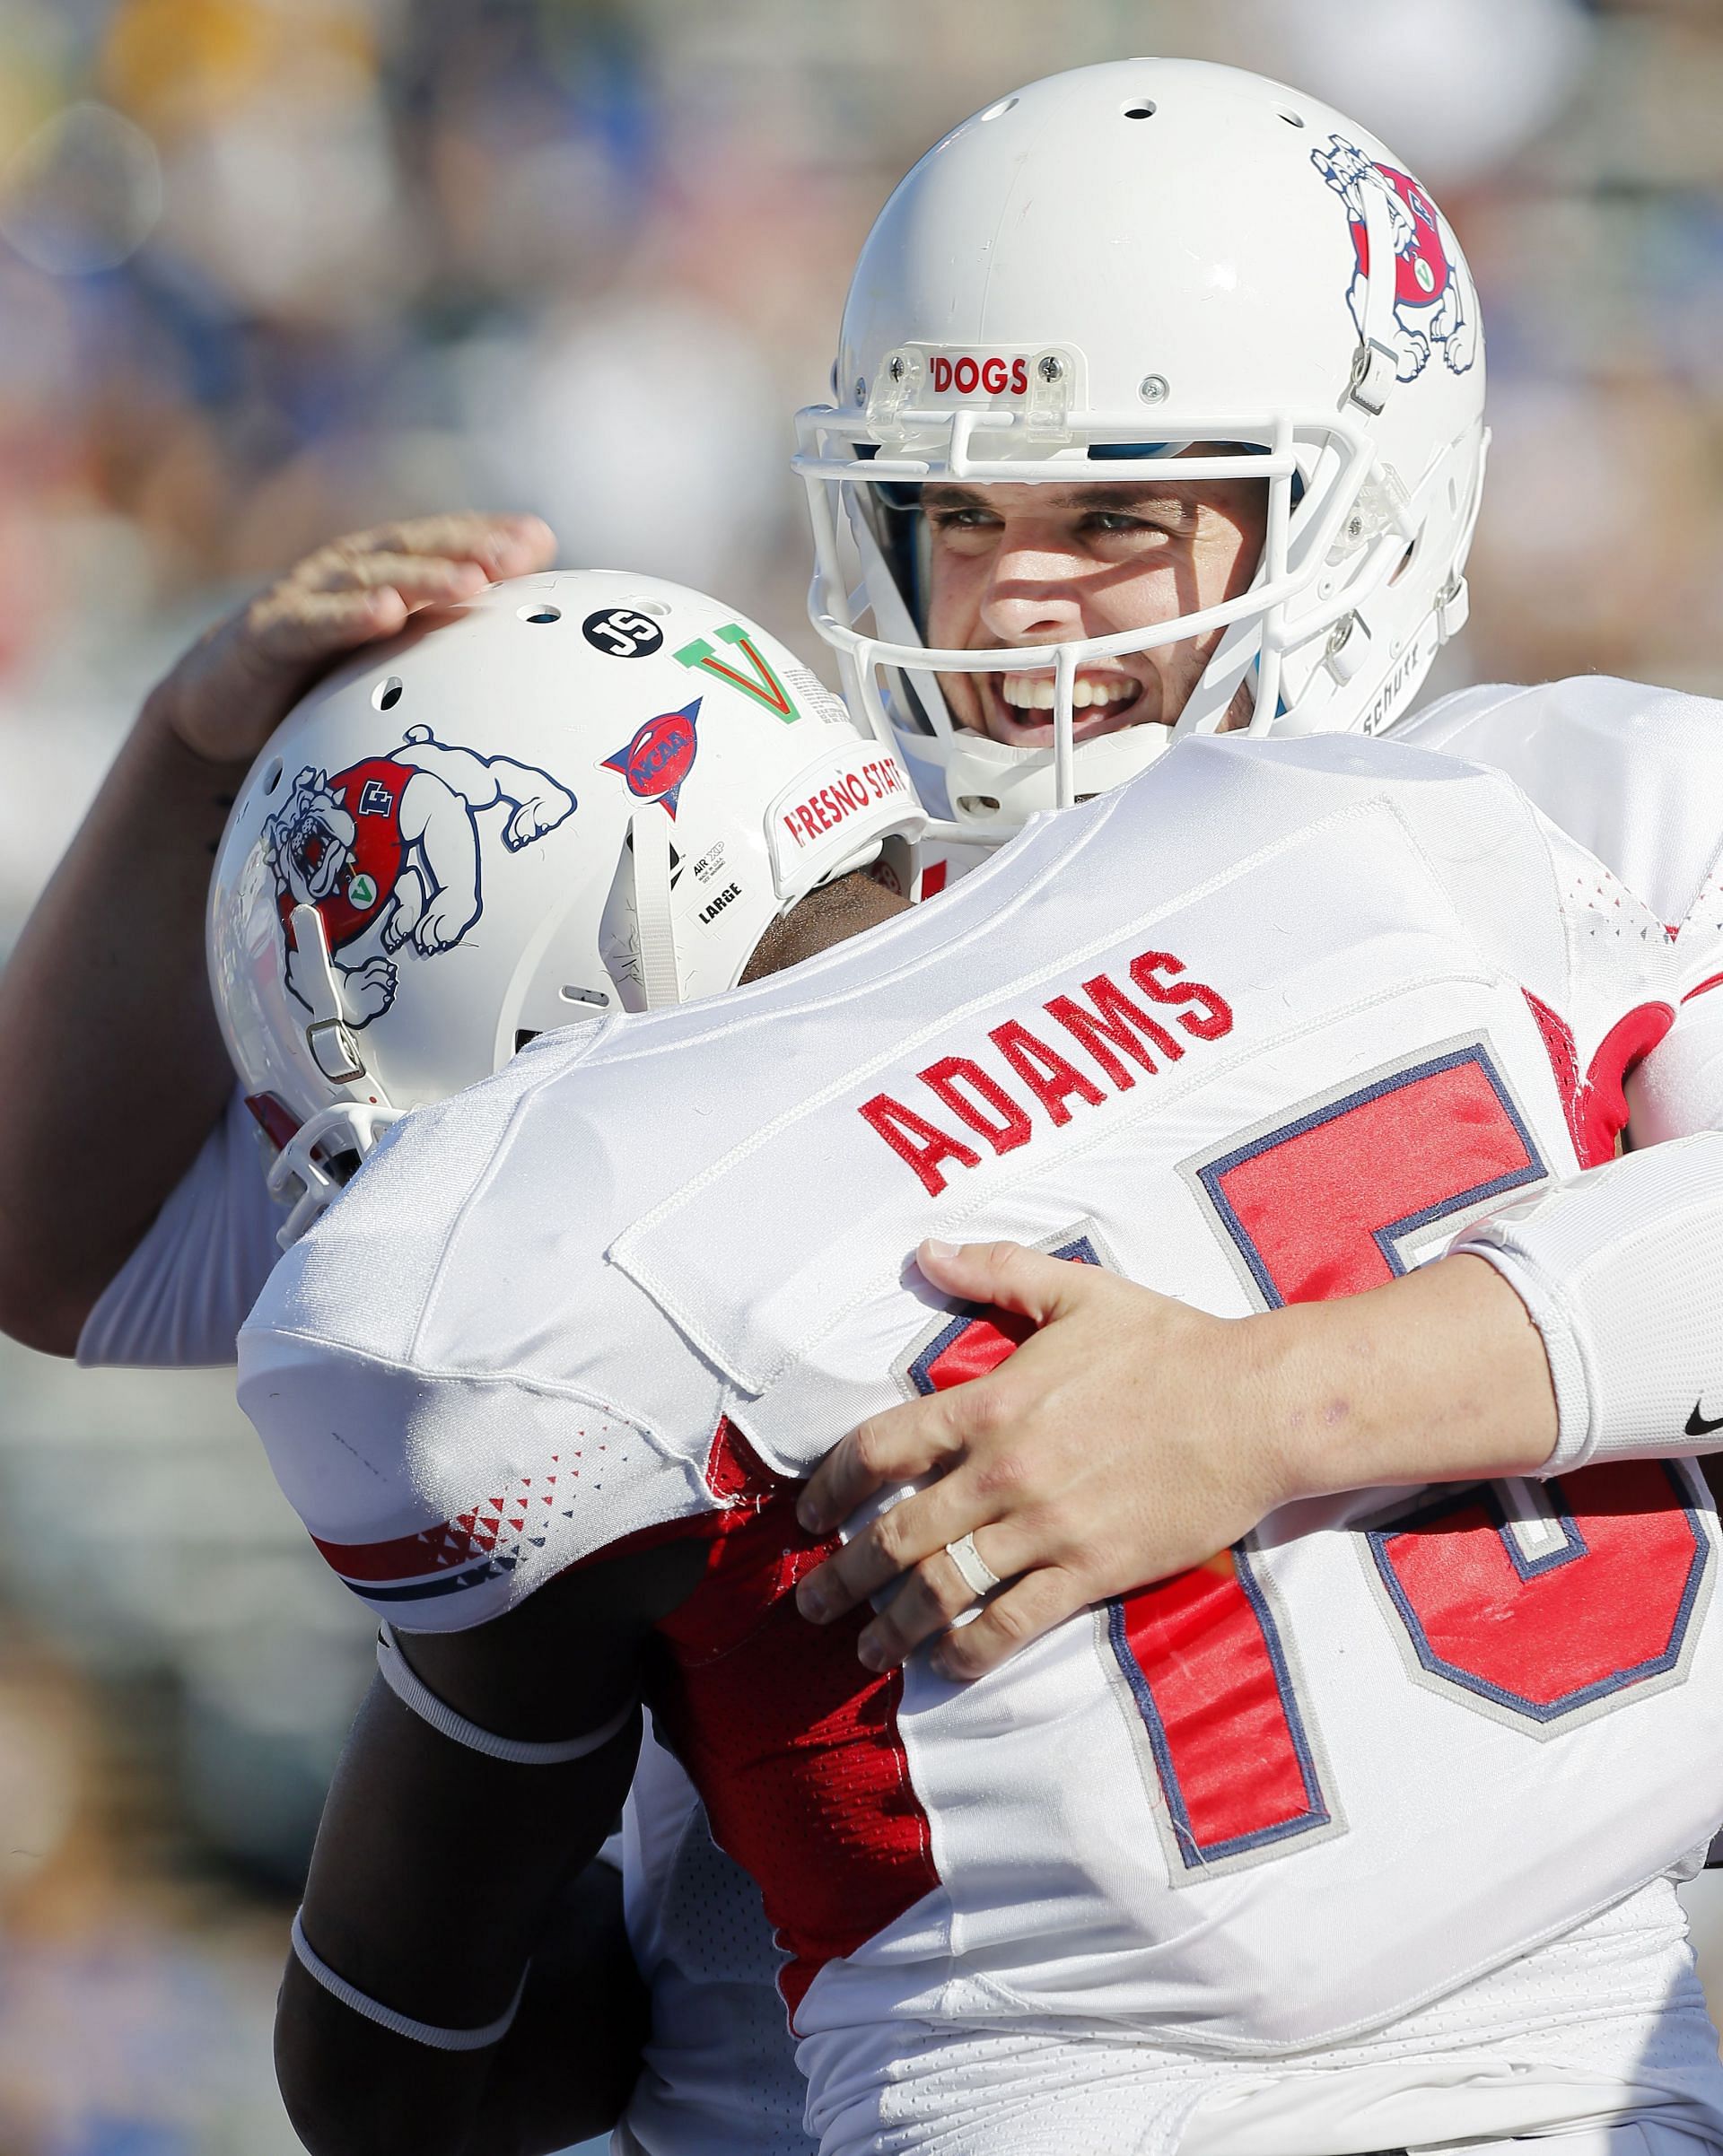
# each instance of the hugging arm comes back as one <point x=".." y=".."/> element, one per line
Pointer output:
<point x="107" y="1029"/>
<point x="1131" y="1434"/>
<point x="443" y="1876"/>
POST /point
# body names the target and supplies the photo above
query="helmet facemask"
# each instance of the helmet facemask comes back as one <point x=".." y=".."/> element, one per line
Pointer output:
<point x="1328" y="506"/>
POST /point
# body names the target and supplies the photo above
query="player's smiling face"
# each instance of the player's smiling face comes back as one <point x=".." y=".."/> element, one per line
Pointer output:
<point x="1025" y="565"/>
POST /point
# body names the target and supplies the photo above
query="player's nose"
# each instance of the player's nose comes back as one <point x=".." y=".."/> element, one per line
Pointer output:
<point x="1032" y="597"/>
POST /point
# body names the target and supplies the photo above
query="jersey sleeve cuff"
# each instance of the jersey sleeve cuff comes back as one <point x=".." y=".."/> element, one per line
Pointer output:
<point x="1621" y="1268"/>
<point x="1561" y="1348"/>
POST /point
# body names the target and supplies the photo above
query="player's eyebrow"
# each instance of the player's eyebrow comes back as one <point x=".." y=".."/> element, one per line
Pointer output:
<point x="1117" y="496"/>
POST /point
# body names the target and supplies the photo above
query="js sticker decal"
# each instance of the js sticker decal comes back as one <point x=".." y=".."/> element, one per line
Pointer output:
<point x="620" y="632"/>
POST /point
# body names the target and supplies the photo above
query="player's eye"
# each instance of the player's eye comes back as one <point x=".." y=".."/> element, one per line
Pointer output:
<point x="1110" y="521"/>
<point x="963" y="519"/>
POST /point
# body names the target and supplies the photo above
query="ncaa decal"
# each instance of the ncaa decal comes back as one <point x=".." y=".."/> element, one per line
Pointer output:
<point x="655" y="764"/>
<point x="760" y="682"/>
<point x="1429" y="307"/>
<point x="392" y="844"/>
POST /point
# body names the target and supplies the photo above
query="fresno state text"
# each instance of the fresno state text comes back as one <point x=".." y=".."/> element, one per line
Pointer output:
<point x="966" y="372"/>
<point x="842" y="797"/>
<point x="1044" y="1080"/>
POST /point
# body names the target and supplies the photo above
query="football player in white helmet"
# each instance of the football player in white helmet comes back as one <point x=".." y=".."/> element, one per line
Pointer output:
<point x="568" y="794"/>
<point x="1159" y="408"/>
<point x="540" y="799"/>
<point x="1159" y="411"/>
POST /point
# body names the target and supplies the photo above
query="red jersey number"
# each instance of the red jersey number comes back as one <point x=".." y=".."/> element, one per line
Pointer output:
<point x="1595" y="1604"/>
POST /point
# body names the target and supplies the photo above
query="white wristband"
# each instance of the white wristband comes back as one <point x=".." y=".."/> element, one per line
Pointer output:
<point x="1620" y="1269"/>
<point x="400" y="2024"/>
<point x="422" y="1701"/>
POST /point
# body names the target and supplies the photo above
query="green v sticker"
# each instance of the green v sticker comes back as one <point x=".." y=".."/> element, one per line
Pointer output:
<point x="763" y="688"/>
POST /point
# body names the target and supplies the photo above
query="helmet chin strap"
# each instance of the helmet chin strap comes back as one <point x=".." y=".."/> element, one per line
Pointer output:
<point x="1375" y="367"/>
<point x="331" y="1046"/>
<point x="650" y="836"/>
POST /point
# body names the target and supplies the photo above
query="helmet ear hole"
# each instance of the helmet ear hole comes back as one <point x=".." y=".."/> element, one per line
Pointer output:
<point x="523" y="1034"/>
<point x="388" y="694"/>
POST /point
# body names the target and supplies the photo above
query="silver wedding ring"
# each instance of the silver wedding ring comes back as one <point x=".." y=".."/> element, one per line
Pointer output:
<point x="978" y="1575"/>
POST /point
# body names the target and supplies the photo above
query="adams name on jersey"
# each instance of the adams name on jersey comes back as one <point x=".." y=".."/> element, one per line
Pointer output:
<point x="1273" y="1022"/>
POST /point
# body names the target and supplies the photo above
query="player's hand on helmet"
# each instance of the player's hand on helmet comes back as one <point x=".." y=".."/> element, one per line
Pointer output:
<point x="1129" y="1437"/>
<point x="230" y="691"/>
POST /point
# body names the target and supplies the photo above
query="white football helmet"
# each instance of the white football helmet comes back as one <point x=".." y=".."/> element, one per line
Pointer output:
<point x="573" y="792"/>
<point x="1110" y="265"/>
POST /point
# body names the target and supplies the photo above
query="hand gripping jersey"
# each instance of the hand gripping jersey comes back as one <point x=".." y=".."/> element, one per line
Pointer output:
<point x="640" y="1282"/>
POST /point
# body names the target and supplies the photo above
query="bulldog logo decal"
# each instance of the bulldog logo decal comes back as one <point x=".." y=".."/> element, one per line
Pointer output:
<point x="1430" y="308"/>
<point x="392" y="843"/>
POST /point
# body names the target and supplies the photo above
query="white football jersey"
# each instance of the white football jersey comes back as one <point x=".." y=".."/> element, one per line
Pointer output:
<point x="1630" y="771"/>
<point x="1274" y="1022"/>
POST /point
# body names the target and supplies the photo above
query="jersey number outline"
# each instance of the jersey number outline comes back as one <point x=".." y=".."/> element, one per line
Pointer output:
<point x="1483" y="1596"/>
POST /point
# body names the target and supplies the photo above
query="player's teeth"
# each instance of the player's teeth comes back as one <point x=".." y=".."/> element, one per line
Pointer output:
<point x="1034" y="692"/>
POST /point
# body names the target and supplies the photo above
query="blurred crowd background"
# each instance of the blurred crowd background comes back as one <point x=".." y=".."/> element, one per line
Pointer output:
<point x="272" y="269"/>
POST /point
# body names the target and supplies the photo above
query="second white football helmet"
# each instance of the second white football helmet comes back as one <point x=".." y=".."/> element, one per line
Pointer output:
<point x="574" y="793"/>
<point x="1109" y="266"/>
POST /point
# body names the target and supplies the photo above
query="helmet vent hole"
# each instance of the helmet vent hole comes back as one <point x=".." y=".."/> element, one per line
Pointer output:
<point x="1004" y="106"/>
<point x="388" y="694"/>
<point x="1292" y="120"/>
<point x="647" y="605"/>
<point x="594" y="998"/>
<point x="272" y="777"/>
<point x="1144" y="107"/>
<point x="541" y="614"/>
<point x="980" y="804"/>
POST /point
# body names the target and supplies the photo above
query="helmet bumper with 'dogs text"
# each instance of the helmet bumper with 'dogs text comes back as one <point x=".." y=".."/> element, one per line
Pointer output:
<point x="1114" y="266"/>
<point x="574" y="794"/>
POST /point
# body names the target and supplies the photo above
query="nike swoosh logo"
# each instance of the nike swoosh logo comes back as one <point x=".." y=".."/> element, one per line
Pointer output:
<point x="1697" y="1426"/>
